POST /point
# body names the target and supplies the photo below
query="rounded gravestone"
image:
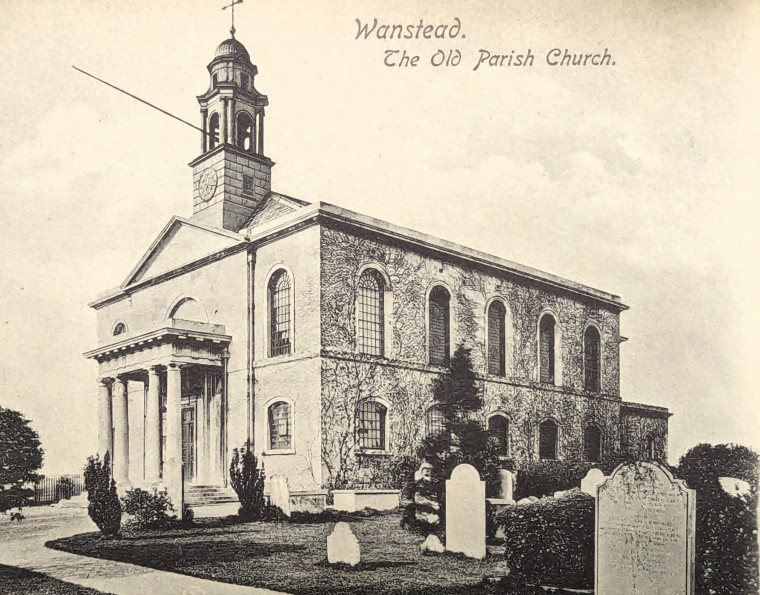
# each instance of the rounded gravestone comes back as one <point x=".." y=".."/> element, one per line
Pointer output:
<point x="466" y="512"/>
<point x="645" y="525"/>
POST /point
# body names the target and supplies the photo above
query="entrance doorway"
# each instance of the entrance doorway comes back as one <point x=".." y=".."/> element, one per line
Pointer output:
<point x="188" y="442"/>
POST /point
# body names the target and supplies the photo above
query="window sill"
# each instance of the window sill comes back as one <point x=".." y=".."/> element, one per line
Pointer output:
<point x="374" y="453"/>
<point x="279" y="451"/>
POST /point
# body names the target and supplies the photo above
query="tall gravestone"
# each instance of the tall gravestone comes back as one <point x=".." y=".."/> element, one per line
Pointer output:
<point x="645" y="525"/>
<point x="279" y="494"/>
<point x="506" y="484"/>
<point x="466" y="512"/>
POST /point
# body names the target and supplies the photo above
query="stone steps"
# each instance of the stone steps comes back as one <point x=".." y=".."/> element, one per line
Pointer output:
<point x="205" y="495"/>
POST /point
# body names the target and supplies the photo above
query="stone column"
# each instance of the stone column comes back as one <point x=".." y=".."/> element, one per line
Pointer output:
<point x="121" y="433"/>
<point x="204" y="136"/>
<point x="105" y="418"/>
<point x="173" y="462"/>
<point x="261" y="133"/>
<point x="153" y="428"/>
<point x="201" y="457"/>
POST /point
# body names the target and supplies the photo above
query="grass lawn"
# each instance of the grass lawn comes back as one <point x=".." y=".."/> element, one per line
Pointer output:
<point x="19" y="581"/>
<point x="291" y="557"/>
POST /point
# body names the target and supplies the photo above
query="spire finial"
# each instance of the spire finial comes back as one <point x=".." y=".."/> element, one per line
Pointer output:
<point x="232" y="6"/>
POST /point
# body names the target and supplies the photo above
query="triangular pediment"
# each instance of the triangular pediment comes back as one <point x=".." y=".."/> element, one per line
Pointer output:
<point x="181" y="242"/>
<point x="273" y="205"/>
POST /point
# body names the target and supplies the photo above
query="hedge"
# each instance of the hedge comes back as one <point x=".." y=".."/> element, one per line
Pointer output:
<point x="551" y="541"/>
<point x="543" y="478"/>
<point x="726" y="539"/>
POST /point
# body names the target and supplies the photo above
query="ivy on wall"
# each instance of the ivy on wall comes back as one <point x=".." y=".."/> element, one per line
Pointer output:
<point x="405" y="380"/>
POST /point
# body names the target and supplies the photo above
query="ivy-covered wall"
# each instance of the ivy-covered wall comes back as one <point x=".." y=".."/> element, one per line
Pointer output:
<point x="403" y="379"/>
<point x="412" y="274"/>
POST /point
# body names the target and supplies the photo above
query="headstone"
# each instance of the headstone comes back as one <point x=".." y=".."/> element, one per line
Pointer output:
<point x="738" y="488"/>
<point x="594" y="478"/>
<point x="279" y="494"/>
<point x="342" y="546"/>
<point x="645" y="526"/>
<point x="432" y="544"/>
<point x="506" y="484"/>
<point x="466" y="512"/>
<point x="523" y="501"/>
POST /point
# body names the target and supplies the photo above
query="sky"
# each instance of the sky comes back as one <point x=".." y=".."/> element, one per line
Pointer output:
<point x="639" y="179"/>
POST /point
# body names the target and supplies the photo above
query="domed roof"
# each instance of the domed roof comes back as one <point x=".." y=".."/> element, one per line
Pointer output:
<point x="232" y="48"/>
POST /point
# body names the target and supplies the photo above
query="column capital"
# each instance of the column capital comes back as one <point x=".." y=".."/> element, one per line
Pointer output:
<point x="105" y="381"/>
<point x="153" y="369"/>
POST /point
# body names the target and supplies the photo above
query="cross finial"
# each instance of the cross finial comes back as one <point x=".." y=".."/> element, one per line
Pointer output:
<point x="232" y="6"/>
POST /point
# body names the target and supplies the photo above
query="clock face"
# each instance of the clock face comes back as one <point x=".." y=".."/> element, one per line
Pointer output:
<point x="207" y="183"/>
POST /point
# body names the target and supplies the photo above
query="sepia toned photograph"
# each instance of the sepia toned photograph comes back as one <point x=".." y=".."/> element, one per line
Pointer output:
<point x="380" y="297"/>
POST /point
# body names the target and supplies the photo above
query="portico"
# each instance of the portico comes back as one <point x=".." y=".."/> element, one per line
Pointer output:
<point x="182" y="367"/>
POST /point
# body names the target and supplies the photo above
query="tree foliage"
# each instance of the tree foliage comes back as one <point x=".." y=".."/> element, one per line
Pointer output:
<point x="463" y="439"/>
<point x="104" y="507"/>
<point x="20" y="458"/>
<point x="247" y="480"/>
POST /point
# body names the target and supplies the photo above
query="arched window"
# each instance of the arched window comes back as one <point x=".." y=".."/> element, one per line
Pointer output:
<point x="213" y="131"/>
<point x="546" y="349"/>
<point x="547" y="440"/>
<point x="592" y="444"/>
<point x="371" y="318"/>
<point x="435" y="421"/>
<point x="119" y="329"/>
<point x="651" y="453"/>
<point x="189" y="309"/>
<point x="438" y="326"/>
<point x="592" y="360"/>
<point x="279" y="314"/>
<point x="371" y="426"/>
<point x="244" y="132"/>
<point x="280" y="426"/>
<point x="498" y="427"/>
<point x="496" y="356"/>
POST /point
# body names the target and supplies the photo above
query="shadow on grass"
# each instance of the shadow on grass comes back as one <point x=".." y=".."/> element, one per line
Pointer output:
<point x="20" y="580"/>
<point x="172" y="555"/>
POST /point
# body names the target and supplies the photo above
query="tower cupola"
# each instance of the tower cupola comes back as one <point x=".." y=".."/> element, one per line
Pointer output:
<point x="232" y="174"/>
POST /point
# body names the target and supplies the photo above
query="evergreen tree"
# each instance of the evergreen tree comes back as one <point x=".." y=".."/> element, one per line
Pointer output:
<point x="20" y="458"/>
<point x="463" y="438"/>
<point x="104" y="507"/>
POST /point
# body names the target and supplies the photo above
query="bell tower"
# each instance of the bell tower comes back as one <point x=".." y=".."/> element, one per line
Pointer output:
<point x="232" y="175"/>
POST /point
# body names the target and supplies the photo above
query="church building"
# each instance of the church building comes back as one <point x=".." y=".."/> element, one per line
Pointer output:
<point x="313" y="333"/>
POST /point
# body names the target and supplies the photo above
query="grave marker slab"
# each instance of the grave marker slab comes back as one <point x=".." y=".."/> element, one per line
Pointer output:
<point x="279" y="494"/>
<point x="506" y="484"/>
<point x="593" y="479"/>
<point x="342" y="546"/>
<point x="645" y="526"/>
<point x="466" y="512"/>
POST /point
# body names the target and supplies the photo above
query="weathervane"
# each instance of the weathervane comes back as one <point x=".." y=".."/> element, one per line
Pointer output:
<point x="232" y="6"/>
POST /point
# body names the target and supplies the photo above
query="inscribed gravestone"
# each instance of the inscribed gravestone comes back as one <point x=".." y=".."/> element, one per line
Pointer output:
<point x="594" y="478"/>
<point x="466" y="512"/>
<point x="279" y="494"/>
<point x="645" y="525"/>
<point x="342" y="546"/>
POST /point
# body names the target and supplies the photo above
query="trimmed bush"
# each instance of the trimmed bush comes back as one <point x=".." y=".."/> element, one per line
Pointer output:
<point x="104" y="507"/>
<point x="148" y="509"/>
<point x="248" y="482"/>
<point x="726" y="539"/>
<point x="551" y="541"/>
